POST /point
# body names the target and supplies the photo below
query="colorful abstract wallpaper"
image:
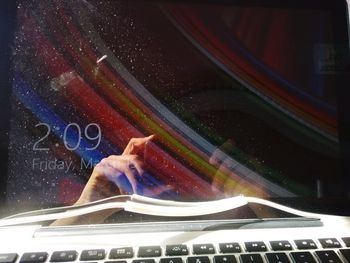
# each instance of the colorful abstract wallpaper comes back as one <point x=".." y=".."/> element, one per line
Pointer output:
<point x="241" y="100"/>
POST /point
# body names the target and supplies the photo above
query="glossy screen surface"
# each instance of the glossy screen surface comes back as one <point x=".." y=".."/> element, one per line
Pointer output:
<point x="241" y="100"/>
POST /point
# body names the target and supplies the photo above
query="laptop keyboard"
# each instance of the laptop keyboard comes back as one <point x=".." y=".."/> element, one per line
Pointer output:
<point x="325" y="250"/>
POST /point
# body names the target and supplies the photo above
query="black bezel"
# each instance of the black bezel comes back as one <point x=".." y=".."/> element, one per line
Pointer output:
<point x="7" y="28"/>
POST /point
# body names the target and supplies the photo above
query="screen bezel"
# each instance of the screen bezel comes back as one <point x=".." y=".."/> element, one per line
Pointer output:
<point x="7" y="29"/>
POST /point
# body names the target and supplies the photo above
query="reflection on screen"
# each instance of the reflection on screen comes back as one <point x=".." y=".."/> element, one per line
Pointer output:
<point x="240" y="100"/>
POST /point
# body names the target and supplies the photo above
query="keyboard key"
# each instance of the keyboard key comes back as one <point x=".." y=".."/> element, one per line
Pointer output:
<point x="277" y="258"/>
<point x="230" y="248"/>
<point x="281" y="245"/>
<point x="8" y="258"/>
<point x="150" y="251"/>
<point x="176" y="250"/>
<point x="64" y="256"/>
<point x="92" y="254"/>
<point x="203" y="249"/>
<point x="144" y="261"/>
<point x="257" y="246"/>
<point x="171" y="260"/>
<point x="346" y="241"/>
<point x="225" y="259"/>
<point x="114" y="261"/>
<point x="303" y="257"/>
<point x="123" y="252"/>
<point x="328" y="256"/>
<point x="346" y="254"/>
<point x="251" y="258"/>
<point x="305" y="244"/>
<point x="329" y="243"/>
<point x="34" y="257"/>
<point x="202" y="259"/>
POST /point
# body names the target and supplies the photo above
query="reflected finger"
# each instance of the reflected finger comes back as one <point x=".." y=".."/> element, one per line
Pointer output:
<point x="136" y="144"/>
<point x="130" y="169"/>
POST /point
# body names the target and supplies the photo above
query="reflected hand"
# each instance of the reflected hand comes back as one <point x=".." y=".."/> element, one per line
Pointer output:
<point x="121" y="174"/>
<point x="112" y="174"/>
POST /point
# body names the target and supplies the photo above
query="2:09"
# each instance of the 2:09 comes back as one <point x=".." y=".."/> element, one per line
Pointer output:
<point x="71" y="128"/>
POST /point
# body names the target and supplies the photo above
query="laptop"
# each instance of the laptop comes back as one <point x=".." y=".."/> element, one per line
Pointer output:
<point x="175" y="131"/>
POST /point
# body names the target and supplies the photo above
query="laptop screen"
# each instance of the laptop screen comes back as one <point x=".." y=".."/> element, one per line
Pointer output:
<point x="176" y="100"/>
